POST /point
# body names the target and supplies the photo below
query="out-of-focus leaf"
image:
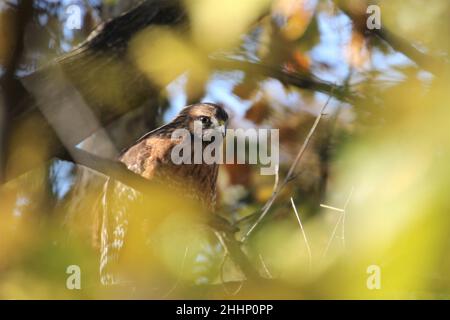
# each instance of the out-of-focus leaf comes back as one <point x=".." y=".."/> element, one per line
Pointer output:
<point x="258" y="112"/>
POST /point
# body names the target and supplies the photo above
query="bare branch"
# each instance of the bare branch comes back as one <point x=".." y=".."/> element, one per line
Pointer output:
<point x="340" y="220"/>
<point x="423" y="60"/>
<point x="304" y="235"/>
<point x="179" y="276"/>
<point x="266" y="269"/>
<point x="290" y="173"/>
<point x="344" y="216"/>
<point x="305" y="81"/>
<point x="233" y="248"/>
<point x="224" y="259"/>
<point x="331" y="208"/>
<point x="333" y="235"/>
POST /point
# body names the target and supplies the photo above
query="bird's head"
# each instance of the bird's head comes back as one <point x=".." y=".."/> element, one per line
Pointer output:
<point x="205" y="120"/>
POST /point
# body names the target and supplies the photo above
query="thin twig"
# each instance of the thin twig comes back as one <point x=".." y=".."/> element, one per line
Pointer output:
<point x="222" y="280"/>
<point x="425" y="61"/>
<point x="331" y="208"/>
<point x="341" y="218"/>
<point x="277" y="177"/>
<point x="225" y="256"/>
<point x="344" y="215"/>
<point x="269" y="274"/>
<point x="179" y="276"/>
<point x="275" y="186"/>
<point x="333" y="234"/>
<point x="296" y="79"/>
<point x="275" y="193"/>
<point x="304" y="235"/>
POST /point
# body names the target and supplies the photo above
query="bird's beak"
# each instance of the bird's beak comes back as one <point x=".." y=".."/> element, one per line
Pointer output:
<point x="222" y="128"/>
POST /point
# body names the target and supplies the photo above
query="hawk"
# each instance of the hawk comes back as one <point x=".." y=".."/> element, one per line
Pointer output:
<point x="151" y="158"/>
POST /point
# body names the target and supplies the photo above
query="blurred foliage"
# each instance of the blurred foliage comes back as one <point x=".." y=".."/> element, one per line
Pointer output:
<point x="381" y="159"/>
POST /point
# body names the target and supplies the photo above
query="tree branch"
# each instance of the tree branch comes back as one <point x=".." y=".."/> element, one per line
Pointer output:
<point x="425" y="61"/>
<point x="289" y="175"/>
<point x="304" y="81"/>
<point x="11" y="88"/>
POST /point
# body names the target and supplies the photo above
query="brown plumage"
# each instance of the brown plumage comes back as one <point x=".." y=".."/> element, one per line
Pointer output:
<point x="150" y="157"/>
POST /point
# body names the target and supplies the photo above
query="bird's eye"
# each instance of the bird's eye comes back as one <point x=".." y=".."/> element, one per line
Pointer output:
<point x="205" y="121"/>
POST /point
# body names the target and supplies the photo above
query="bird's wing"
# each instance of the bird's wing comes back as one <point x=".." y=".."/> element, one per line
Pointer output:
<point x="148" y="135"/>
<point x="147" y="155"/>
<point x="143" y="158"/>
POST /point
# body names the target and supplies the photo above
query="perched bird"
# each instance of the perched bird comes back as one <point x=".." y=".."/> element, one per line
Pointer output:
<point x="150" y="157"/>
